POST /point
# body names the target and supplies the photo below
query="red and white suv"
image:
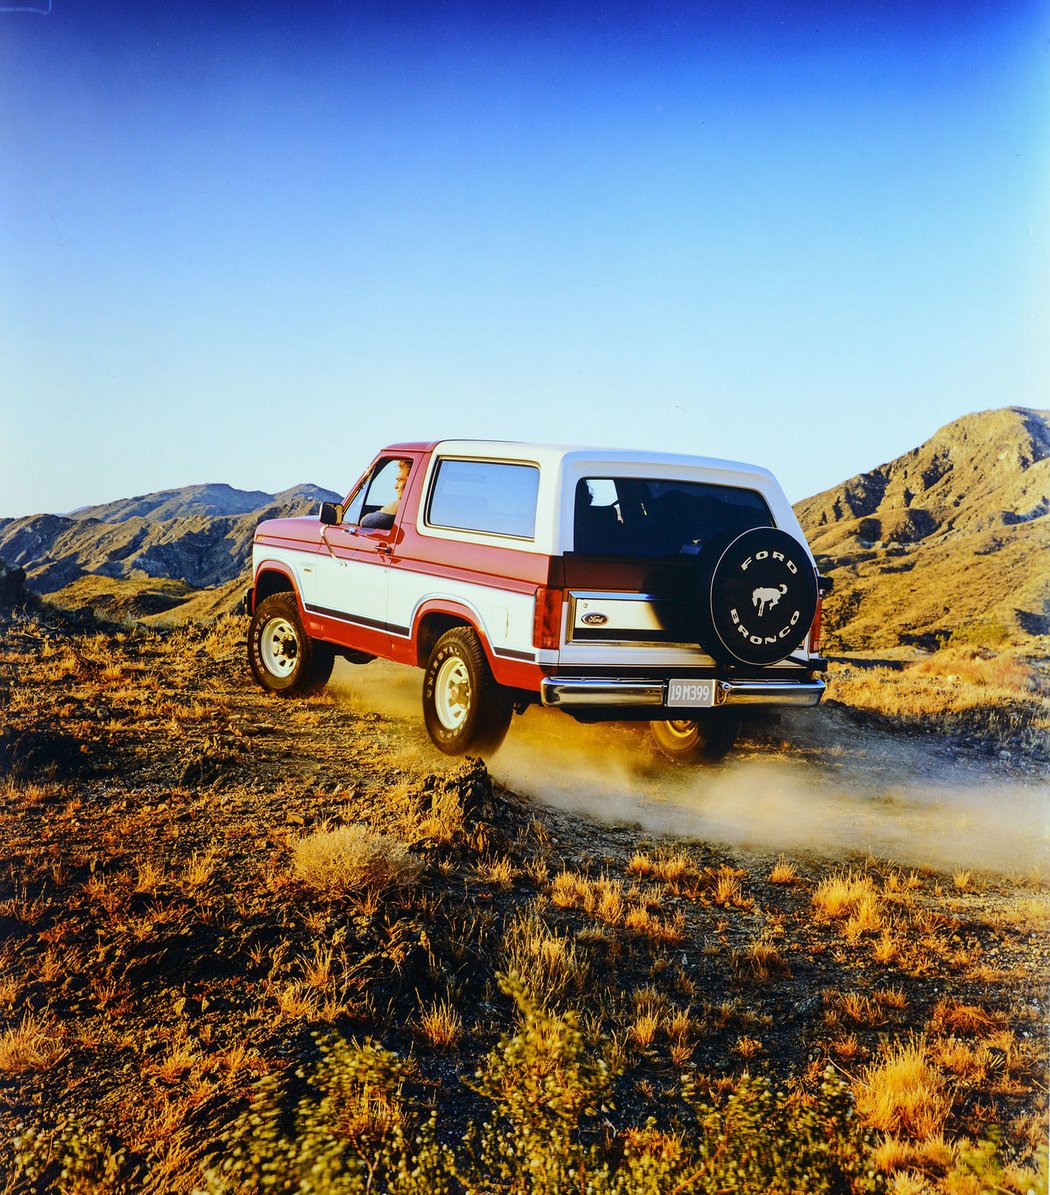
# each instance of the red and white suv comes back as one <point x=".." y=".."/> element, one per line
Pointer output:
<point x="612" y="585"/>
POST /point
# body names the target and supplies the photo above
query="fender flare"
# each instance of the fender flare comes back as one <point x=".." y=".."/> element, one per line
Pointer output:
<point x="282" y="569"/>
<point x="459" y="610"/>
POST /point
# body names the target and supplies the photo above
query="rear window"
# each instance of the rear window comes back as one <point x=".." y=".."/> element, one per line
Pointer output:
<point x="632" y="516"/>
<point x="488" y="496"/>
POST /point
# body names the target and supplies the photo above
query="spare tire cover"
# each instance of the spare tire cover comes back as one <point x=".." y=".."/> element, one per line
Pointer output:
<point x="762" y="597"/>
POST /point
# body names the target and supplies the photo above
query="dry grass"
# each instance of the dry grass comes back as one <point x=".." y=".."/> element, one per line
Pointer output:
<point x="606" y="899"/>
<point x="968" y="667"/>
<point x="855" y="1007"/>
<point x="724" y="888"/>
<point x="499" y="871"/>
<point x="35" y="1044"/>
<point x="673" y="868"/>
<point x="952" y="1016"/>
<point x="838" y="895"/>
<point x="644" y="1028"/>
<point x="851" y="898"/>
<point x="783" y="872"/>
<point x="959" y="689"/>
<point x="761" y="962"/>
<point x="550" y="963"/>
<point x="748" y="1047"/>
<point x="352" y="860"/>
<point x="903" y="1092"/>
<point x="440" y="1025"/>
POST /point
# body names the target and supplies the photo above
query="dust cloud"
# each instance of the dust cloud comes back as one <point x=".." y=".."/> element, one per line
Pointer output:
<point x="392" y="690"/>
<point x="816" y="783"/>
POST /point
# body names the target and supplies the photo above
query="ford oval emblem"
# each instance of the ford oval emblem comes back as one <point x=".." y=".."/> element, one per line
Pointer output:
<point x="595" y="620"/>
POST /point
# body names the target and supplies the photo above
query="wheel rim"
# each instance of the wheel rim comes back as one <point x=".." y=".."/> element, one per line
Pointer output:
<point x="279" y="647"/>
<point x="680" y="730"/>
<point x="452" y="693"/>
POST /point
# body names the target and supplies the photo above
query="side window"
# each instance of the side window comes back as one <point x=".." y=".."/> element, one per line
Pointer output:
<point x="375" y="502"/>
<point x="489" y="496"/>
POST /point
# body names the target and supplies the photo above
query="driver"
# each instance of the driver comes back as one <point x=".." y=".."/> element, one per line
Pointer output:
<point x="383" y="518"/>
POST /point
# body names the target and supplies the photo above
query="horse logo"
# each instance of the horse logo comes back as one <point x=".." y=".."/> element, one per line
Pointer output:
<point x="765" y="596"/>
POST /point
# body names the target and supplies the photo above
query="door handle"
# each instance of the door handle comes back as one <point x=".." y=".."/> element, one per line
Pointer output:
<point x="384" y="549"/>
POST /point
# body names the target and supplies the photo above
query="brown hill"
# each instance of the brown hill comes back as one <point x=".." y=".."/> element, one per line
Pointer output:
<point x="173" y="554"/>
<point x="949" y="539"/>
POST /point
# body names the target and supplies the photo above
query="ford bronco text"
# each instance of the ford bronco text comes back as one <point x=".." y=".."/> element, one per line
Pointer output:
<point x="614" y="586"/>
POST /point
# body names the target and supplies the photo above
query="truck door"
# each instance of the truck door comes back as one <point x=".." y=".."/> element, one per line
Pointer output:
<point x="352" y="578"/>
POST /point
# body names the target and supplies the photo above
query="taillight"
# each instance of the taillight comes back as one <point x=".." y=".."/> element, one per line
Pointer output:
<point x="814" y="628"/>
<point x="546" y="626"/>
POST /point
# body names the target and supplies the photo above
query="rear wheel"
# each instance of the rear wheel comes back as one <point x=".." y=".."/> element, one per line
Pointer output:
<point x="706" y="739"/>
<point x="283" y="657"/>
<point x="464" y="707"/>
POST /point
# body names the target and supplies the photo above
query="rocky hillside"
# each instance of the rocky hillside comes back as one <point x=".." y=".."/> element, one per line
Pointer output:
<point x="145" y="556"/>
<point x="950" y="538"/>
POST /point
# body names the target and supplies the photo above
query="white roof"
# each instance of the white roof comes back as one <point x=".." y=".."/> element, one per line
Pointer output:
<point x="575" y="454"/>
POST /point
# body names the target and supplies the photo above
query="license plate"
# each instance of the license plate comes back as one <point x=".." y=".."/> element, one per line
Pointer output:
<point x="693" y="694"/>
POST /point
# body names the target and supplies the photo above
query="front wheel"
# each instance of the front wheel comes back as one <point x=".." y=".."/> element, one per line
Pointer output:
<point x="464" y="707"/>
<point x="707" y="739"/>
<point x="283" y="657"/>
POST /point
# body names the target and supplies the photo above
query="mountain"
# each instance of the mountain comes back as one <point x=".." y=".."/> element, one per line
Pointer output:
<point x="213" y="500"/>
<point x="950" y="538"/>
<point x="147" y="555"/>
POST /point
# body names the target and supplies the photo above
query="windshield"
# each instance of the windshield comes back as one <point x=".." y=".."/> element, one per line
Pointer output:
<point x="633" y="516"/>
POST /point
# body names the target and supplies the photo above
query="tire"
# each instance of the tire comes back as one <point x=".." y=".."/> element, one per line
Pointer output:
<point x="761" y="592"/>
<point x="707" y="739"/>
<point x="463" y="706"/>
<point x="283" y="657"/>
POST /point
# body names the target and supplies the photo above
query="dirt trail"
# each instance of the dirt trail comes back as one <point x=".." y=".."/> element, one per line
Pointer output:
<point x="814" y="782"/>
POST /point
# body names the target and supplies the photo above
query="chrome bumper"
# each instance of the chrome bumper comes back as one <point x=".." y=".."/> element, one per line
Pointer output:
<point x="585" y="691"/>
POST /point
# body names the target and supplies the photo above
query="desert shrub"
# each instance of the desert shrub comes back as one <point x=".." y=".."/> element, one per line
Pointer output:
<point x="352" y="859"/>
<point x="351" y="1128"/>
<point x="545" y="1091"/>
<point x="989" y="633"/>
<point x="979" y="1168"/>
<point x="760" y="1140"/>
<point x="73" y="1157"/>
<point x="349" y="1124"/>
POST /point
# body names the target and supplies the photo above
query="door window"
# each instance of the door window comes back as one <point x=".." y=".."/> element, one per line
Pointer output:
<point x="376" y="501"/>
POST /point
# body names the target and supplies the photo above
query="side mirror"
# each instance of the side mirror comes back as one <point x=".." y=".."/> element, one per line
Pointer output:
<point x="331" y="514"/>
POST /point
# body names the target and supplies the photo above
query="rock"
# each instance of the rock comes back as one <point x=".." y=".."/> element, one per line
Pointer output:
<point x="13" y="586"/>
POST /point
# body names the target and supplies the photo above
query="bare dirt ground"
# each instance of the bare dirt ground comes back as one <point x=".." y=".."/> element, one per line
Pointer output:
<point x="829" y="892"/>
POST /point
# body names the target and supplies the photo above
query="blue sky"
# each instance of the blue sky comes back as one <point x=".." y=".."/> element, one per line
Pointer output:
<point x="254" y="244"/>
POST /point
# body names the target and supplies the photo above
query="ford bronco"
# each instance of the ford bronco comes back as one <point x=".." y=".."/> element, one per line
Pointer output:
<point x="615" y="586"/>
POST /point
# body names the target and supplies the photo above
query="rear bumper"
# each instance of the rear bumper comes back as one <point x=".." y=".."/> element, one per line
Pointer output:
<point x="578" y="692"/>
